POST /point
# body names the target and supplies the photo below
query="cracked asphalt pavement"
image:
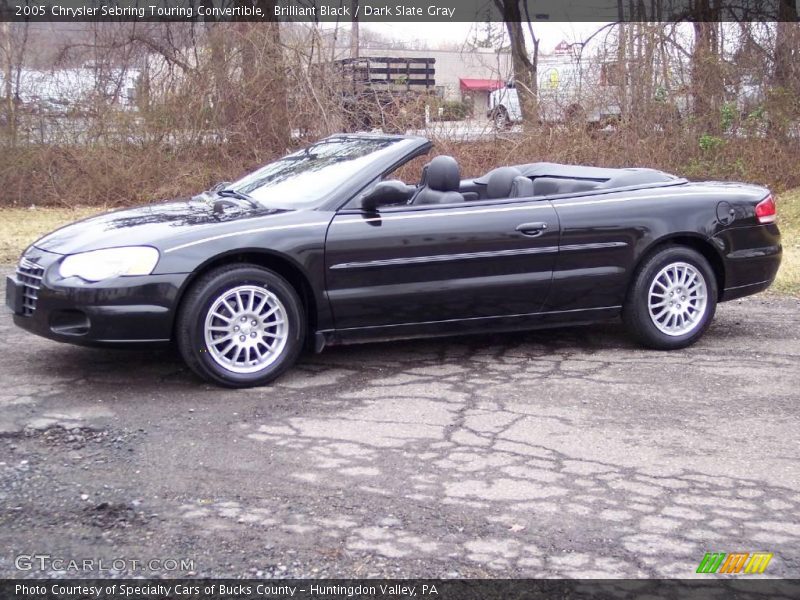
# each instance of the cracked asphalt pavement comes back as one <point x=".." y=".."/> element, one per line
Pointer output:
<point x="560" y="453"/>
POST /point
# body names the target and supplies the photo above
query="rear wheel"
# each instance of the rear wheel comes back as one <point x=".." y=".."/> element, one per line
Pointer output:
<point x="575" y="116"/>
<point x="672" y="299"/>
<point x="240" y="326"/>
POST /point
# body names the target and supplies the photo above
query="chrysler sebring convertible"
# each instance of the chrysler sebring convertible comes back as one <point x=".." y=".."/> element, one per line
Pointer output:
<point x="325" y="247"/>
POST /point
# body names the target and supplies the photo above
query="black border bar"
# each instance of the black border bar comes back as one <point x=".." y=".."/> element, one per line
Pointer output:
<point x="344" y="11"/>
<point x="728" y="587"/>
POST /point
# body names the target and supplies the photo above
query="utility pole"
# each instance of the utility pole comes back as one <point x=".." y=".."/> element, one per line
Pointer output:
<point x="354" y="31"/>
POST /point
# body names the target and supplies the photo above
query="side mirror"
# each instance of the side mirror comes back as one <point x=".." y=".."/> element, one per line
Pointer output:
<point x="220" y="186"/>
<point x="385" y="193"/>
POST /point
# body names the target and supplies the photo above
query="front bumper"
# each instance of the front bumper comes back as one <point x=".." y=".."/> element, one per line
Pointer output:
<point x="122" y="310"/>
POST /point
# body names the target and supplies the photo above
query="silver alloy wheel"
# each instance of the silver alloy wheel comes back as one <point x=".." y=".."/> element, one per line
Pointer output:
<point x="677" y="299"/>
<point x="246" y="329"/>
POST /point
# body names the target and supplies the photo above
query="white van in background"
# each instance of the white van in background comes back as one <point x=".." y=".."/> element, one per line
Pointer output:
<point x="568" y="91"/>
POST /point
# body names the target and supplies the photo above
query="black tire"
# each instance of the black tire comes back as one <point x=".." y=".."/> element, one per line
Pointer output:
<point x="194" y="310"/>
<point x="575" y="116"/>
<point x="636" y="311"/>
<point x="500" y="119"/>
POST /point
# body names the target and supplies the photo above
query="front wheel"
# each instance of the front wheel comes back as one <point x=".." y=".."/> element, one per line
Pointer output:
<point x="240" y="326"/>
<point x="501" y="119"/>
<point x="672" y="299"/>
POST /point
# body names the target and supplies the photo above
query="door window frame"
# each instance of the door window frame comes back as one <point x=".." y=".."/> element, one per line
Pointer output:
<point x="450" y="205"/>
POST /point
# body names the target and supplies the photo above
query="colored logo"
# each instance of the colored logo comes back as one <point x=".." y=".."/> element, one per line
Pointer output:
<point x="742" y="562"/>
<point x="553" y="79"/>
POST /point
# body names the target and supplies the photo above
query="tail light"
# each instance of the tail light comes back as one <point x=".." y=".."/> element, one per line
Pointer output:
<point x="766" y="211"/>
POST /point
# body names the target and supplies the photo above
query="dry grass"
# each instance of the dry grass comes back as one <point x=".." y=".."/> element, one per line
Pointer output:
<point x="789" y="222"/>
<point x="19" y="227"/>
<point x="127" y="175"/>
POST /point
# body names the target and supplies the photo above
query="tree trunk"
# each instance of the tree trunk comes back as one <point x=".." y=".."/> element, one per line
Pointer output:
<point x="787" y="48"/>
<point x="277" y="111"/>
<point x="261" y="94"/>
<point x="525" y="78"/>
<point x="221" y="110"/>
<point x="707" y="77"/>
<point x="8" y="83"/>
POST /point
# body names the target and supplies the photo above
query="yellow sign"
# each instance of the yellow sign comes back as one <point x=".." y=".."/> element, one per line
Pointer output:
<point x="553" y="78"/>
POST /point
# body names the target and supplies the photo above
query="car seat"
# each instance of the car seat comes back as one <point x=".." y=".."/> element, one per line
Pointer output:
<point x="508" y="182"/>
<point x="442" y="178"/>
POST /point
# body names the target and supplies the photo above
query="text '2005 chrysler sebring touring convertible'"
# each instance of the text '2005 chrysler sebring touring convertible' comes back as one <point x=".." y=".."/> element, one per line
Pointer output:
<point x="323" y="247"/>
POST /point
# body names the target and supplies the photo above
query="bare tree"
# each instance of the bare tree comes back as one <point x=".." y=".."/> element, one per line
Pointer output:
<point x="13" y="43"/>
<point x="787" y="48"/>
<point x="525" y="76"/>
<point x="707" y="72"/>
<point x="354" y="38"/>
<point x="271" y="64"/>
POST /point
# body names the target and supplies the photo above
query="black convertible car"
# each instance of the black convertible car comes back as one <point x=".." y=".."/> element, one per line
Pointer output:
<point x="323" y="247"/>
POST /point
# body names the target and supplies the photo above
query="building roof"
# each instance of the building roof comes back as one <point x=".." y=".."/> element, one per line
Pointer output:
<point x="480" y="85"/>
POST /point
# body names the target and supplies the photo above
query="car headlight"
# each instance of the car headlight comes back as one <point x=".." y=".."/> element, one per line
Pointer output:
<point x="111" y="262"/>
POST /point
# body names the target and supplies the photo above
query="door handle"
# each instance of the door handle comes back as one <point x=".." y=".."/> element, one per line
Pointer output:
<point x="531" y="229"/>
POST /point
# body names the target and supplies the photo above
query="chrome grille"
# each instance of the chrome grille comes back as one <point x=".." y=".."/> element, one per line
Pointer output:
<point x="29" y="274"/>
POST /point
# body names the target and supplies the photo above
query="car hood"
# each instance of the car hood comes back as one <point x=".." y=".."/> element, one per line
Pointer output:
<point x="157" y="225"/>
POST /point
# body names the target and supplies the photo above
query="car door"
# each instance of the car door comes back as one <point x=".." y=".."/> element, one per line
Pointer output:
<point x="599" y="237"/>
<point x="422" y="264"/>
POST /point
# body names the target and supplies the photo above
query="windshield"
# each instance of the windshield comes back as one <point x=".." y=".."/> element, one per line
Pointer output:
<point x="301" y="179"/>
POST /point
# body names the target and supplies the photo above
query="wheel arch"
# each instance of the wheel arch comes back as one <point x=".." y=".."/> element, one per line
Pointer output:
<point x="696" y="242"/>
<point x="279" y="263"/>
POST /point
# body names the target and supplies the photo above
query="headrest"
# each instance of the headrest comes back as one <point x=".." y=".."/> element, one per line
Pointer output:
<point x="499" y="182"/>
<point x="443" y="174"/>
<point x="521" y="187"/>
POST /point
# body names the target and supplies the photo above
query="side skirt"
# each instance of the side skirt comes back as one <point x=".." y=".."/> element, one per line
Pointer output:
<point x="523" y="322"/>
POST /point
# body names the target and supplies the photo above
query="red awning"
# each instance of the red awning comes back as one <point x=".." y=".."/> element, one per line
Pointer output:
<point x="480" y="85"/>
